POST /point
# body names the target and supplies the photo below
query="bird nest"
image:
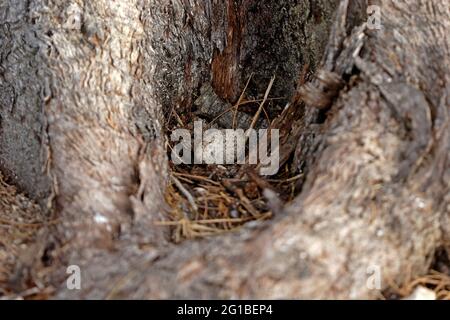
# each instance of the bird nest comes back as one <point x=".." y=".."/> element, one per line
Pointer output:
<point x="210" y="199"/>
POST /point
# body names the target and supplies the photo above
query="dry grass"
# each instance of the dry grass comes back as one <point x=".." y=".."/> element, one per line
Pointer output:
<point x="216" y="209"/>
<point x="435" y="281"/>
<point x="20" y="222"/>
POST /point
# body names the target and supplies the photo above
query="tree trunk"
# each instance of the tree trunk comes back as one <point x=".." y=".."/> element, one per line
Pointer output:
<point x="87" y="90"/>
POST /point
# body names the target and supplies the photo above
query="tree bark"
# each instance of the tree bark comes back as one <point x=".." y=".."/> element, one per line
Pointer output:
<point x="85" y="92"/>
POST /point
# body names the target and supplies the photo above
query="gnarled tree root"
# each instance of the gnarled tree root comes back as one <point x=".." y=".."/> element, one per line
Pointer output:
<point x="377" y="193"/>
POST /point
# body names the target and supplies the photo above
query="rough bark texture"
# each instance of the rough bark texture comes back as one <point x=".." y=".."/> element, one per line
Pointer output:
<point x="85" y="86"/>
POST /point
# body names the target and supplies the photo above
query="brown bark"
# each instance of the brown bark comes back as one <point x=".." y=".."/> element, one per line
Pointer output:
<point x="85" y="90"/>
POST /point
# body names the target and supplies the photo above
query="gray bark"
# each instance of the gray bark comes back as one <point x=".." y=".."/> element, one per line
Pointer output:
<point x="85" y="91"/>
